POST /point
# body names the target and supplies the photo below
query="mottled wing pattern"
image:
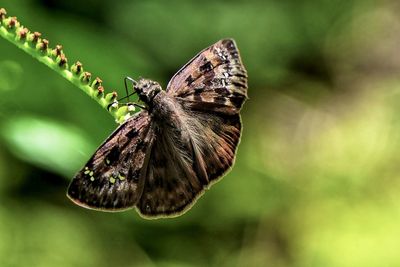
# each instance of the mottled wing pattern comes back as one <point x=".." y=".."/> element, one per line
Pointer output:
<point x="185" y="163"/>
<point x="111" y="178"/>
<point x="210" y="90"/>
<point x="215" y="142"/>
<point x="171" y="183"/>
<point x="214" y="80"/>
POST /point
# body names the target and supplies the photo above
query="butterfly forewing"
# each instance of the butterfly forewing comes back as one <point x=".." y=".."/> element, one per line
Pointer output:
<point x="111" y="178"/>
<point x="214" y="80"/>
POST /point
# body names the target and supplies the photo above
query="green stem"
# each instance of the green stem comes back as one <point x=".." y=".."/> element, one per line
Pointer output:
<point x="31" y="43"/>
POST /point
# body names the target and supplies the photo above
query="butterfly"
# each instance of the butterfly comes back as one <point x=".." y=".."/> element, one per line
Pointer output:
<point x="162" y="159"/>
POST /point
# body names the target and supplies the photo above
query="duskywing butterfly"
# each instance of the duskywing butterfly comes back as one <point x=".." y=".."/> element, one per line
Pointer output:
<point x="164" y="157"/>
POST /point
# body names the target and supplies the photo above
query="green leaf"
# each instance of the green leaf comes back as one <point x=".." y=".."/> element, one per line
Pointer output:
<point x="49" y="144"/>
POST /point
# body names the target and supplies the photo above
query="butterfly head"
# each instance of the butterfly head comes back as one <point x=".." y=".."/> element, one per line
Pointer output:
<point x="147" y="90"/>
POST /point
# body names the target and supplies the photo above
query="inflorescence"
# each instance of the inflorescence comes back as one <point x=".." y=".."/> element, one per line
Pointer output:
<point x="38" y="47"/>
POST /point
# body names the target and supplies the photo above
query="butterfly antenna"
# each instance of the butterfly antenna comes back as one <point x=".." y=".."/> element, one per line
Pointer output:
<point x="126" y="79"/>
<point x="134" y="83"/>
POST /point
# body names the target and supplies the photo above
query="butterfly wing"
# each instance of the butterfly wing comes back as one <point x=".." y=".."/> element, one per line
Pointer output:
<point x="183" y="163"/>
<point x="171" y="183"/>
<point x="110" y="180"/>
<point x="212" y="88"/>
<point x="198" y="146"/>
<point x="214" y="80"/>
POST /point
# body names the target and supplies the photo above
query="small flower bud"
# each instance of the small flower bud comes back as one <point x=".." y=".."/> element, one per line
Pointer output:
<point x="34" y="38"/>
<point x="97" y="82"/>
<point x="12" y="23"/>
<point x="62" y="61"/>
<point x="57" y="51"/>
<point x="77" y="68"/>
<point x="85" y="77"/>
<point x="43" y="45"/>
<point x="3" y="14"/>
<point x="22" y="33"/>
<point x="110" y="97"/>
<point x="100" y="91"/>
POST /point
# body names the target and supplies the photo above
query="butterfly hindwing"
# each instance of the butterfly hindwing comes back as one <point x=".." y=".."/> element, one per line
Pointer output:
<point x="111" y="178"/>
<point x="184" y="163"/>
<point x="171" y="183"/>
<point x="217" y="142"/>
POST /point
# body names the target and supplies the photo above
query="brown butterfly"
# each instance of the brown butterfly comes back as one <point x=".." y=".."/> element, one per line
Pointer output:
<point x="163" y="158"/>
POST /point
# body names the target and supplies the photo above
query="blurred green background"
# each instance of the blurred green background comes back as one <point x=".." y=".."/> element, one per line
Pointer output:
<point x="316" y="180"/>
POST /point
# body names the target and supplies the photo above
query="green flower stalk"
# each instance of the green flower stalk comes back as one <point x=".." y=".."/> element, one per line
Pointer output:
<point x="38" y="47"/>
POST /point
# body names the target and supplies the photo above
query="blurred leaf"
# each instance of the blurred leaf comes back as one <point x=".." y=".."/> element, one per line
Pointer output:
<point x="49" y="144"/>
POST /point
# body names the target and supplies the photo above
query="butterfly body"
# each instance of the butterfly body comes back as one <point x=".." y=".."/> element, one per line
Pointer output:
<point x="163" y="158"/>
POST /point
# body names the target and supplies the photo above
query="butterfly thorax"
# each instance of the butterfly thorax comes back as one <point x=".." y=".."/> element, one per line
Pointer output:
<point x="147" y="90"/>
<point x="162" y="107"/>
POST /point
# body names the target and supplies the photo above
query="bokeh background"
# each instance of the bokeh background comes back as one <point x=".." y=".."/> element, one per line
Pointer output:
<point x="316" y="180"/>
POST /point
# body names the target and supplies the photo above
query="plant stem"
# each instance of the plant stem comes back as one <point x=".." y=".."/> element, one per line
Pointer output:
<point x="34" y="45"/>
